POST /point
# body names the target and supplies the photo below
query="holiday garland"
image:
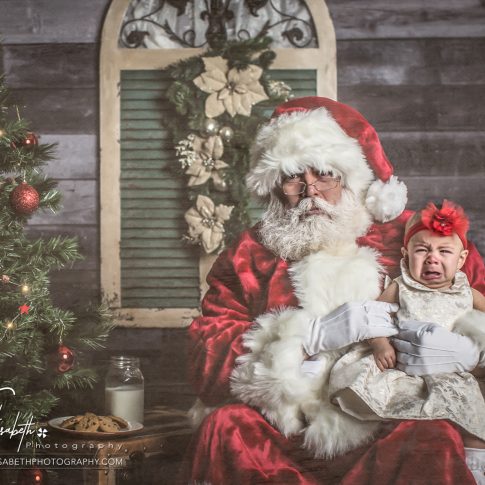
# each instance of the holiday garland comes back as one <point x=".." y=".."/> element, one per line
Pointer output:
<point x="218" y="101"/>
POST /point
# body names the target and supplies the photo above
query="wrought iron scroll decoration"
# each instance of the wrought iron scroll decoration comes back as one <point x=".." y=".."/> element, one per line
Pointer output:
<point x="299" y="32"/>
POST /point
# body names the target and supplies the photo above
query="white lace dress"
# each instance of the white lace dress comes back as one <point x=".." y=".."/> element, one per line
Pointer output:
<point x="362" y="390"/>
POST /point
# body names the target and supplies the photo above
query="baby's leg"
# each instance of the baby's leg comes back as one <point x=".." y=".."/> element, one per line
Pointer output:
<point x="471" y="441"/>
<point x="475" y="456"/>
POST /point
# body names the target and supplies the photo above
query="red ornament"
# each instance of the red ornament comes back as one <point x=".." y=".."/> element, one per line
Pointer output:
<point x="24" y="199"/>
<point x="32" y="476"/>
<point x="65" y="358"/>
<point x="29" y="141"/>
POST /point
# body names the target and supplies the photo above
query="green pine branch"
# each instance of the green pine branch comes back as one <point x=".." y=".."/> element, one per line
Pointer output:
<point x="76" y="379"/>
<point x="94" y="326"/>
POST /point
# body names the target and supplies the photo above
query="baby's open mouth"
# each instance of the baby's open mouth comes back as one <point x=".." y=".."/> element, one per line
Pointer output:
<point x="431" y="275"/>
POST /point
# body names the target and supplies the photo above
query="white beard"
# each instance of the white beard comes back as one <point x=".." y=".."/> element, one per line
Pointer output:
<point x="292" y="235"/>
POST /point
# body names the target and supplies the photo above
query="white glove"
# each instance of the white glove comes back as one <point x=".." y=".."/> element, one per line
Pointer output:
<point x="350" y="323"/>
<point x="311" y="367"/>
<point x="426" y="348"/>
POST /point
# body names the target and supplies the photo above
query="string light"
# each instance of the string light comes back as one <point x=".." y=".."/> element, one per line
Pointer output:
<point x="25" y="289"/>
<point x="9" y="326"/>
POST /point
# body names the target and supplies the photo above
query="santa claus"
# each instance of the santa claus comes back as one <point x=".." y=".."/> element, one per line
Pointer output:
<point x="292" y="297"/>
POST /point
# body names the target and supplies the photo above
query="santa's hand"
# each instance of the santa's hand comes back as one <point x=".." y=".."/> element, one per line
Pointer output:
<point x="311" y="368"/>
<point x="350" y="323"/>
<point x="426" y="348"/>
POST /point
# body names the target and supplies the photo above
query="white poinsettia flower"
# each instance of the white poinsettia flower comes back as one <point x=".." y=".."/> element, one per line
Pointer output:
<point x="231" y="90"/>
<point x="206" y="222"/>
<point x="207" y="161"/>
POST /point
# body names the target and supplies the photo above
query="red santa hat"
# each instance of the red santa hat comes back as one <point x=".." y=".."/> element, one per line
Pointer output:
<point x="332" y="137"/>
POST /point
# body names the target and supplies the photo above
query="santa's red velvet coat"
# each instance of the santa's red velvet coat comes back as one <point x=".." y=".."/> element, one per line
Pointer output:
<point x="236" y="445"/>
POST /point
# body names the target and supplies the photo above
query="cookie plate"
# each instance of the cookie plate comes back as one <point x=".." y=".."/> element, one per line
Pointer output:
<point x="132" y="428"/>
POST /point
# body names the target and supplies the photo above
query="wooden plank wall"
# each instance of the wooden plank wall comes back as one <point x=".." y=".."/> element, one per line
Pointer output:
<point x="416" y="69"/>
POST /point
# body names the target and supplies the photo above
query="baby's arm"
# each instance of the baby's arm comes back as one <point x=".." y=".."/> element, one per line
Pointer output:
<point x="478" y="300"/>
<point x="383" y="351"/>
<point x="478" y="304"/>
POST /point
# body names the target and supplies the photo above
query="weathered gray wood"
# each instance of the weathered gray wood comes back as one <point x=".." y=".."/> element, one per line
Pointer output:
<point x="161" y="369"/>
<point x="56" y="21"/>
<point x="80" y="205"/>
<point x="431" y="107"/>
<point x="382" y="61"/>
<point x="59" y="110"/>
<point x="76" y="156"/>
<point x="178" y="395"/>
<point x="467" y="191"/>
<point x="364" y="19"/>
<point x="435" y="153"/>
<point x="51" y="65"/>
<point x="462" y="62"/>
<point x="411" y="62"/>
<point x="71" y="289"/>
<point x="423" y="108"/>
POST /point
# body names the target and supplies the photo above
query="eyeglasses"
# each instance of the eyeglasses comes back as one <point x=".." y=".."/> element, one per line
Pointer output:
<point x="321" y="184"/>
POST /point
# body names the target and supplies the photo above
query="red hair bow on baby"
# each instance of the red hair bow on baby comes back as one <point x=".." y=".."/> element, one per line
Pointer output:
<point x="449" y="219"/>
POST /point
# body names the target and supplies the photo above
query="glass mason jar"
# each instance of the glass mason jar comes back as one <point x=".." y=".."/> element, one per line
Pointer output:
<point x="124" y="388"/>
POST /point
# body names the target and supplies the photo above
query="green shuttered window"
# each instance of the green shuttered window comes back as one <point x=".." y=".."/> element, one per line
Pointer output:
<point x="157" y="269"/>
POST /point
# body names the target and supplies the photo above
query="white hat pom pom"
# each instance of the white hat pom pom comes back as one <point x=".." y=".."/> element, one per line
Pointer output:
<point x="386" y="200"/>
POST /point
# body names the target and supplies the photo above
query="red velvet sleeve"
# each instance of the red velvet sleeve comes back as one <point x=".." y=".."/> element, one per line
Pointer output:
<point x="237" y="293"/>
<point x="475" y="269"/>
<point x="387" y="240"/>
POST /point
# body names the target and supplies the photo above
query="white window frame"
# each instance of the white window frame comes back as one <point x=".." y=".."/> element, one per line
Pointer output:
<point x="113" y="60"/>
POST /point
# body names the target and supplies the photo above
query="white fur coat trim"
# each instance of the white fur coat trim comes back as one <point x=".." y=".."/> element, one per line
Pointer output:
<point x="270" y="376"/>
<point x="198" y="412"/>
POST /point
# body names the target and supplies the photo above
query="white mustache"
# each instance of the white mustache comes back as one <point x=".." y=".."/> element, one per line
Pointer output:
<point x="308" y="203"/>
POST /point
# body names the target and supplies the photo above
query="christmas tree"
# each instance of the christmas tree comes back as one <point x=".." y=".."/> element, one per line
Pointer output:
<point x="43" y="349"/>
